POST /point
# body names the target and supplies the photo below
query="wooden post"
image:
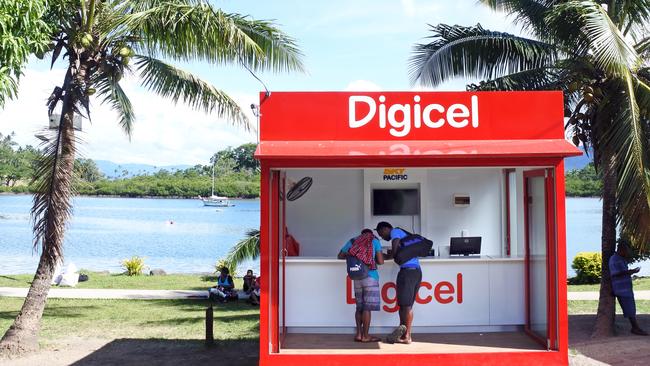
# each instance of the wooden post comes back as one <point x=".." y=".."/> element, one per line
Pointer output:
<point x="209" y="322"/>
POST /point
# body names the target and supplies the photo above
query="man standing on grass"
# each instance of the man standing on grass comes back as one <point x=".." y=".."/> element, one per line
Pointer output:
<point x="622" y="285"/>
<point x="408" y="283"/>
<point x="366" y="291"/>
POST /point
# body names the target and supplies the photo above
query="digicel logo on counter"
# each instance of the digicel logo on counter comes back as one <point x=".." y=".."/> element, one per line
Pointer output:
<point x="403" y="117"/>
<point x="444" y="292"/>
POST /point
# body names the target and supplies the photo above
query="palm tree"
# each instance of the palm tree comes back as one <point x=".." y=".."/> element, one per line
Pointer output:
<point x="597" y="52"/>
<point x="104" y="41"/>
<point x="247" y="248"/>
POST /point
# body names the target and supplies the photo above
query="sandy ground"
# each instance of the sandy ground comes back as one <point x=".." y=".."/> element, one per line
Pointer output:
<point x="625" y="349"/>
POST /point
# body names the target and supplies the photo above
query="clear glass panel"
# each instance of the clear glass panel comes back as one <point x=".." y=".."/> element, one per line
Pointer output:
<point x="513" y="203"/>
<point x="538" y="254"/>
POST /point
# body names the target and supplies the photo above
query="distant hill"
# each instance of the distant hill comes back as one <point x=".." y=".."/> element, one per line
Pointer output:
<point x="578" y="162"/>
<point x="115" y="170"/>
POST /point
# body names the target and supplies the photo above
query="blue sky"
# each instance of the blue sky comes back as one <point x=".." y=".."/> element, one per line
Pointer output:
<point x="347" y="45"/>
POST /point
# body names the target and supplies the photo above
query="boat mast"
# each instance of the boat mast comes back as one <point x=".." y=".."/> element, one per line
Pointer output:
<point x="212" y="191"/>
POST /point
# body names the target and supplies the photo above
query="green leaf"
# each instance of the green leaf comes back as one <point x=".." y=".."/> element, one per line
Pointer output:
<point x="474" y="52"/>
<point x="178" y="85"/>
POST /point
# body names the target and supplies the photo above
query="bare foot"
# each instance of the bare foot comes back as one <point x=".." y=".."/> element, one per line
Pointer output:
<point x="358" y="338"/>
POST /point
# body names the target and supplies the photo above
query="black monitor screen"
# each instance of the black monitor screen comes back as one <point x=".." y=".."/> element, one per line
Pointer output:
<point x="395" y="202"/>
<point x="465" y="246"/>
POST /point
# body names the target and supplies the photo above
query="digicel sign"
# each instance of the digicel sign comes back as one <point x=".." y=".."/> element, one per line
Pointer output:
<point x="396" y="116"/>
<point x="401" y="118"/>
<point x="444" y="292"/>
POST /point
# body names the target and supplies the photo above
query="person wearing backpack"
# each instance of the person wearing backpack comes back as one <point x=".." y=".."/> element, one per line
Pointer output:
<point x="408" y="282"/>
<point x="362" y="255"/>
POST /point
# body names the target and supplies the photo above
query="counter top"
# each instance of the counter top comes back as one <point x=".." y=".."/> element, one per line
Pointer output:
<point x="482" y="258"/>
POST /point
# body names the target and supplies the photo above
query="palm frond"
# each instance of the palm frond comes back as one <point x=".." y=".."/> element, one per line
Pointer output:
<point x="621" y="133"/>
<point x="458" y="51"/>
<point x="529" y="14"/>
<point x="598" y="33"/>
<point x="184" y="31"/>
<point x="52" y="206"/>
<point x="110" y="91"/>
<point x="246" y="249"/>
<point x="543" y="78"/>
<point x="176" y="84"/>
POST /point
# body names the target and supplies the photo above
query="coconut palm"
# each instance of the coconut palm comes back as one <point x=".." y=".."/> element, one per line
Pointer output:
<point x="245" y="249"/>
<point x="597" y="52"/>
<point x="102" y="41"/>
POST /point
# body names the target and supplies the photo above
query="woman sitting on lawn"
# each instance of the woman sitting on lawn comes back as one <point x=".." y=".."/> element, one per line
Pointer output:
<point x="225" y="288"/>
<point x="255" y="293"/>
<point x="249" y="282"/>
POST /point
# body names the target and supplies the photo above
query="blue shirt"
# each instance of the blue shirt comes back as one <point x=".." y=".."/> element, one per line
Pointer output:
<point x="398" y="233"/>
<point x="621" y="285"/>
<point x="376" y="247"/>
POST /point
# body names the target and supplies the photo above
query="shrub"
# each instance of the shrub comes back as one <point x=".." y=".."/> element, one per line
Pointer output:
<point x="133" y="266"/>
<point x="588" y="267"/>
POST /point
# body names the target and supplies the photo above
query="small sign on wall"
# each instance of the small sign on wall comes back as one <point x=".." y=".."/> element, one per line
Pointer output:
<point x="395" y="174"/>
<point x="461" y="200"/>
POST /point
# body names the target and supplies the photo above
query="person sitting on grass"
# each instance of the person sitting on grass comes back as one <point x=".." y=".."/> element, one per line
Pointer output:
<point x="249" y="281"/>
<point x="254" y="299"/>
<point x="225" y="288"/>
<point x="622" y="285"/>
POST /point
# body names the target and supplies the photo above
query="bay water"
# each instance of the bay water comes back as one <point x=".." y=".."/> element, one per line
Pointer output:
<point x="183" y="236"/>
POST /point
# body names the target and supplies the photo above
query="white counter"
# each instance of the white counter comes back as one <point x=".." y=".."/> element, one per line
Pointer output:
<point x="457" y="294"/>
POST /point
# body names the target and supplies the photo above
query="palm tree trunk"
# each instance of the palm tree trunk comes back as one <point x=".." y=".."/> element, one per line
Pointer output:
<point x="22" y="336"/>
<point x="604" y="326"/>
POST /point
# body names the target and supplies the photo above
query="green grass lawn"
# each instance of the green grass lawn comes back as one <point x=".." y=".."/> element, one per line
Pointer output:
<point x="121" y="281"/>
<point x="590" y="307"/>
<point x="642" y="283"/>
<point x="161" y="319"/>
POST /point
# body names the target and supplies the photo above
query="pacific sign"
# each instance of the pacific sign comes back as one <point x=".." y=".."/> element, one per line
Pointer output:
<point x="403" y="117"/>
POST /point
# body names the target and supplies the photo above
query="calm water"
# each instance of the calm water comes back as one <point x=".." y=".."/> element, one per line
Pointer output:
<point x="104" y="231"/>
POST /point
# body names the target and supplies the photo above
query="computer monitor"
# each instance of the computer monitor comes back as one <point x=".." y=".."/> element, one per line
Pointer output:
<point x="470" y="245"/>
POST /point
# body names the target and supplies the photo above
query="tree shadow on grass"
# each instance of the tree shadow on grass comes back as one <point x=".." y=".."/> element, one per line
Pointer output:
<point x="55" y="312"/>
<point x="173" y="352"/>
<point x="201" y="320"/>
<point x="623" y="349"/>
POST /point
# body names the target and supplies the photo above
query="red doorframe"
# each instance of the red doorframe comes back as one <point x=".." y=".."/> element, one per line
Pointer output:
<point x="507" y="179"/>
<point x="283" y="238"/>
<point x="275" y="263"/>
<point x="268" y="256"/>
<point x="551" y="260"/>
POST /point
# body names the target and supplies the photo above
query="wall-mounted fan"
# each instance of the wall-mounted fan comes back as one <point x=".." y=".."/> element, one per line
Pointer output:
<point x="298" y="189"/>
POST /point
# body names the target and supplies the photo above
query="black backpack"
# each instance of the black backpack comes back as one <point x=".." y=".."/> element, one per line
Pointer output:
<point x="357" y="270"/>
<point x="411" y="246"/>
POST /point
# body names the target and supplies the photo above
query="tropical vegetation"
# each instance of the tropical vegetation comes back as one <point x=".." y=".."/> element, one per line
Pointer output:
<point x="100" y="42"/>
<point x="237" y="175"/>
<point x="598" y="54"/>
<point x="585" y="182"/>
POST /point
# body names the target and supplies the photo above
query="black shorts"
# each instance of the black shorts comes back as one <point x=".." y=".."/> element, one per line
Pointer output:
<point x="408" y="283"/>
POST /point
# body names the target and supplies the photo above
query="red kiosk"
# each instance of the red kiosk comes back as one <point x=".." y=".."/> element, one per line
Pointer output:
<point x="444" y="164"/>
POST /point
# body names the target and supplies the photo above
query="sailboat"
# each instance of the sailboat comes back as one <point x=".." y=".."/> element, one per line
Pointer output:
<point x="214" y="200"/>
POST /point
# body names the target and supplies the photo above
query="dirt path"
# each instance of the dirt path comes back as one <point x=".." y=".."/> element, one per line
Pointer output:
<point x="96" y="352"/>
<point x="625" y="349"/>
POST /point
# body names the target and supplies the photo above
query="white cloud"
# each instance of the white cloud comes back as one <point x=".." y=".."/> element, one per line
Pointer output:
<point x="362" y="85"/>
<point x="164" y="133"/>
